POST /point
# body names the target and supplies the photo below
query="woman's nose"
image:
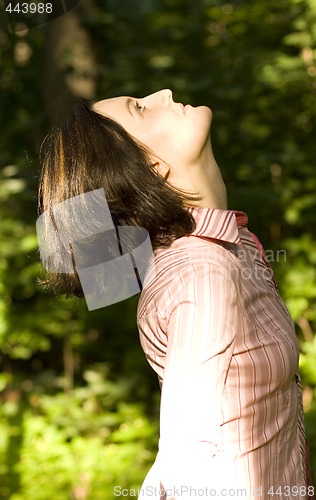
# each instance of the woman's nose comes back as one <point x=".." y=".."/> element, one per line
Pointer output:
<point x="163" y="97"/>
<point x="166" y="95"/>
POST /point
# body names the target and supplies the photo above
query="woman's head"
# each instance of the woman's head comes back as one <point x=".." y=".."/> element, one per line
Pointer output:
<point x="176" y="134"/>
<point x="91" y="151"/>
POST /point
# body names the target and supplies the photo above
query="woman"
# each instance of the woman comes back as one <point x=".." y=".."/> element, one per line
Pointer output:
<point x="211" y="321"/>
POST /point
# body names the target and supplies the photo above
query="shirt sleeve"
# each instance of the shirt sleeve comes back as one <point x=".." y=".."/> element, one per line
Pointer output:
<point x="202" y="326"/>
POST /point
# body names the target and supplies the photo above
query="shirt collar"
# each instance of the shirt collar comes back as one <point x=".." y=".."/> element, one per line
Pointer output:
<point x="218" y="224"/>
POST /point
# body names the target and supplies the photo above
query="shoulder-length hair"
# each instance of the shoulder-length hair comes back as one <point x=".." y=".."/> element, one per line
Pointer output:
<point x="91" y="151"/>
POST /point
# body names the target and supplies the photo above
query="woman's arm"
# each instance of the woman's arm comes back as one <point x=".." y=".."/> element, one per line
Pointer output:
<point x="202" y="327"/>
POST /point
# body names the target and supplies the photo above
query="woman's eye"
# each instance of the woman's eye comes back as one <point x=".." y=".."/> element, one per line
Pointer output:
<point x="140" y="108"/>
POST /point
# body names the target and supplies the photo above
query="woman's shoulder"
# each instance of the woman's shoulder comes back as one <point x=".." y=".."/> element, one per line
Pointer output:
<point x="185" y="258"/>
<point x="193" y="250"/>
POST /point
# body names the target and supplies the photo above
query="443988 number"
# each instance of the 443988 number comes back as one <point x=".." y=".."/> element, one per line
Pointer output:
<point x="30" y="8"/>
<point x="291" y="491"/>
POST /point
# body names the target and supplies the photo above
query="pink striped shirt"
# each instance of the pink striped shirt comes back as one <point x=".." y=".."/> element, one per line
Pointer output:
<point x="215" y="329"/>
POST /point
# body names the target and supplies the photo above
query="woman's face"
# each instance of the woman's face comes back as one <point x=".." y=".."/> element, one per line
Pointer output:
<point x="176" y="134"/>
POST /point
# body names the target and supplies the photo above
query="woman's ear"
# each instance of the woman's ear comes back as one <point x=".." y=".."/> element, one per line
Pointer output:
<point x="162" y="168"/>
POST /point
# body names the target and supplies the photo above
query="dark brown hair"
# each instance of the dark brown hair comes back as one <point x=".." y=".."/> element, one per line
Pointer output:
<point x="91" y="151"/>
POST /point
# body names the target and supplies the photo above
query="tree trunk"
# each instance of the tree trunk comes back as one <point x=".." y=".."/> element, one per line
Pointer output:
<point x="70" y="66"/>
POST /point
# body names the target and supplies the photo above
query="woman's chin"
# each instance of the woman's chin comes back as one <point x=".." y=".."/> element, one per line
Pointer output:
<point x="204" y="113"/>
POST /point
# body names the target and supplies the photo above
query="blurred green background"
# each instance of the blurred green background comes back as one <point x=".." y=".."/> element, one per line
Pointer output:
<point x="79" y="403"/>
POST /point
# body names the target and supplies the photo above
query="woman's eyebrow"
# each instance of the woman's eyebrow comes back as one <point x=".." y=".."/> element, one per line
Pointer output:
<point x="128" y="105"/>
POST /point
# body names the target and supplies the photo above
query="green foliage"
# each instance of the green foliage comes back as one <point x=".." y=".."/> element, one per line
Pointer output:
<point x="79" y="404"/>
<point x="75" y="445"/>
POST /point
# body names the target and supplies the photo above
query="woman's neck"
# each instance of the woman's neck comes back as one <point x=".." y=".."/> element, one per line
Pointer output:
<point x="206" y="178"/>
